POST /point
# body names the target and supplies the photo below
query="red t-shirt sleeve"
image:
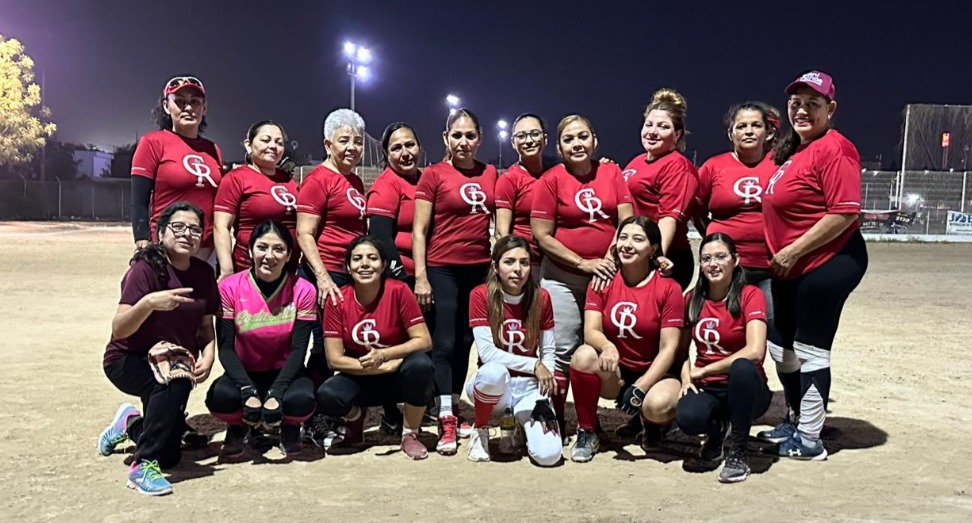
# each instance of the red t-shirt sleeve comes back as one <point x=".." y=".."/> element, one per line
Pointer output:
<point x="505" y="192"/>
<point x="546" y="311"/>
<point x="229" y="195"/>
<point x="753" y="304"/>
<point x="478" y="310"/>
<point x="428" y="185"/>
<point x="840" y="179"/>
<point x="411" y="313"/>
<point x="136" y="283"/>
<point x="312" y="197"/>
<point x="383" y="200"/>
<point x="677" y="188"/>
<point x="595" y="300"/>
<point x="145" y="160"/>
<point x="621" y="186"/>
<point x="218" y="156"/>
<point x="333" y="320"/>
<point x="673" y="306"/>
<point x="545" y="198"/>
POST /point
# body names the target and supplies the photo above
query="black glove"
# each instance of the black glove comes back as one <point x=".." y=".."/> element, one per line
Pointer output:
<point x="543" y="414"/>
<point x="272" y="417"/>
<point x="251" y="415"/>
<point x="397" y="271"/>
<point x="630" y="402"/>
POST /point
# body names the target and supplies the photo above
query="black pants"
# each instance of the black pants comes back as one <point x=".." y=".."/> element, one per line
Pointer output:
<point x="224" y="401"/>
<point x="746" y="398"/>
<point x="317" y="364"/>
<point x="684" y="270"/>
<point x="453" y="339"/>
<point x="158" y="432"/>
<point x="763" y="278"/>
<point x="410" y="384"/>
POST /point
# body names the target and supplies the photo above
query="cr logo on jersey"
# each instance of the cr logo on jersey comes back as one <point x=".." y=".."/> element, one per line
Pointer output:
<point x="706" y="334"/>
<point x="284" y="197"/>
<point x="628" y="173"/>
<point x="622" y="316"/>
<point x="364" y="333"/>
<point x="356" y="200"/>
<point x="771" y="186"/>
<point x="513" y="336"/>
<point x="196" y="166"/>
<point x="474" y="195"/>
<point x="588" y="202"/>
<point x="748" y="189"/>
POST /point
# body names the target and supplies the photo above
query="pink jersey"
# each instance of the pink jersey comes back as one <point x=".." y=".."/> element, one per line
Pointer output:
<point x="337" y="199"/>
<point x="514" y="191"/>
<point x="718" y="335"/>
<point x="664" y="188"/>
<point x="253" y="198"/>
<point x="821" y="178"/>
<point x="183" y="169"/>
<point x="512" y="331"/>
<point x="732" y="192"/>
<point x="393" y="196"/>
<point x="265" y="324"/>
<point x="383" y="323"/>
<point x="632" y="317"/>
<point x="462" y="205"/>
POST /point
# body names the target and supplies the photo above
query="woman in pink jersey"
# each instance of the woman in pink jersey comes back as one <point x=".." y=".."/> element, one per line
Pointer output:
<point x="811" y="207"/>
<point x="450" y="245"/>
<point x="631" y="337"/>
<point x="726" y="387"/>
<point x="577" y="206"/>
<point x="175" y="163"/>
<point x="663" y="182"/>
<point x="512" y="321"/>
<point x="514" y="190"/>
<point x="265" y="325"/>
<point x="376" y="339"/>
<point x="252" y="194"/>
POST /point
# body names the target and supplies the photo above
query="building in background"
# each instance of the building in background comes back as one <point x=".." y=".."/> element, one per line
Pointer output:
<point x="93" y="164"/>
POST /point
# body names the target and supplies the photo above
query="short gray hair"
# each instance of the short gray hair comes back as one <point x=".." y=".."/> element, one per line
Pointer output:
<point x="343" y="119"/>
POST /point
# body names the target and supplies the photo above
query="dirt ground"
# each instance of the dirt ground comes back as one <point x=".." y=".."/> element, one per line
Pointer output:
<point x="896" y="436"/>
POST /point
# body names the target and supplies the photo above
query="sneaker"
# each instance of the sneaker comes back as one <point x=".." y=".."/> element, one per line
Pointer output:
<point x="736" y="467"/>
<point x="192" y="440"/>
<point x="465" y="428"/>
<point x="116" y="431"/>
<point x="354" y="430"/>
<point x="413" y="448"/>
<point x="146" y="478"/>
<point x="479" y="445"/>
<point x="322" y="431"/>
<point x="711" y="450"/>
<point x="290" y="440"/>
<point x="631" y="429"/>
<point x="653" y="436"/>
<point x="233" y="441"/>
<point x="795" y="448"/>
<point x="448" y="442"/>
<point x="391" y="426"/>
<point x="782" y="432"/>
<point x="430" y="419"/>
<point x="586" y="446"/>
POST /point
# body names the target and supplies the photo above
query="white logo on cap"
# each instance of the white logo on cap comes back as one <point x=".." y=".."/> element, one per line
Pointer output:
<point x="588" y="202"/>
<point x="284" y="197"/>
<point x="474" y="195"/>
<point x="748" y="188"/>
<point x="197" y="167"/>
<point x="812" y="77"/>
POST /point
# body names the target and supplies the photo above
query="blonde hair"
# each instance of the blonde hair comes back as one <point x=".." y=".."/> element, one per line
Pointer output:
<point x="673" y="103"/>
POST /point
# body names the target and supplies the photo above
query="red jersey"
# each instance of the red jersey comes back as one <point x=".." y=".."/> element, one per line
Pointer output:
<point x="183" y="169"/>
<point x="664" y="188"/>
<point x="632" y="317"/>
<point x="383" y="323"/>
<point x="462" y="205"/>
<point x="512" y="331"/>
<point x="514" y="191"/>
<point x="253" y="198"/>
<point x="718" y="335"/>
<point x="393" y="196"/>
<point x="823" y="177"/>
<point x="732" y="192"/>
<point x="338" y="201"/>
<point x="584" y="210"/>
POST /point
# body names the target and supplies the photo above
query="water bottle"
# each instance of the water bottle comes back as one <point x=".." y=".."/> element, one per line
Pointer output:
<point x="507" y="428"/>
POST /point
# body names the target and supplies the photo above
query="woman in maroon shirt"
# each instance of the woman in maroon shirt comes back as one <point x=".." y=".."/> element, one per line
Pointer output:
<point x="514" y="189"/>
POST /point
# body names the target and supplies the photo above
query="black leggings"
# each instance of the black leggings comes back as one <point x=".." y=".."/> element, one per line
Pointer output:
<point x="224" y="401"/>
<point x="684" y="270"/>
<point x="763" y="278"/>
<point x="410" y="384"/>
<point x="317" y="366"/>
<point x="745" y="398"/>
<point x="453" y="339"/>
<point x="157" y="433"/>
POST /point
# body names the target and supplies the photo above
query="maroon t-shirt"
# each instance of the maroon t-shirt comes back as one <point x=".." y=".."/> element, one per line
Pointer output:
<point x="178" y="326"/>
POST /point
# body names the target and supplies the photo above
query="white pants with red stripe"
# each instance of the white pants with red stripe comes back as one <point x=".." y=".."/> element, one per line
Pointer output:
<point x="493" y="383"/>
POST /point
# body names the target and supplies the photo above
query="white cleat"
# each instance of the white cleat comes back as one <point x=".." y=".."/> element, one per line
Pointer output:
<point x="479" y="445"/>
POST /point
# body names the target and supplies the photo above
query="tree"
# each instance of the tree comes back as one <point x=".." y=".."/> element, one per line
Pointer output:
<point x="24" y="122"/>
<point x="121" y="164"/>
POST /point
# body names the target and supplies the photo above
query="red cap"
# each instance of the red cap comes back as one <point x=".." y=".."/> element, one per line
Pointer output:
<point x="181" y="82"/>
<point x="816" y="80"/>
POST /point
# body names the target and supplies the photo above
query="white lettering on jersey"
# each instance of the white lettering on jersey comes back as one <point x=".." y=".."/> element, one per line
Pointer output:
<point x="706" y="333"/>
<point x="588" y="202"/>
<point x="513" y="336"/>
<point x="771" y="186"/>
<point x="364" y="333"/>
<point x="748" y="189"/>
<point x="196" y="166"/>
<point x="284" y="197"/>
<point x="622" y="316"/>
<point x="474" y="195"/>
<point x="628" y="173"/>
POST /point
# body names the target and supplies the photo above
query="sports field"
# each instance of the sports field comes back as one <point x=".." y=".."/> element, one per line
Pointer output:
<point x="899" y="431"/>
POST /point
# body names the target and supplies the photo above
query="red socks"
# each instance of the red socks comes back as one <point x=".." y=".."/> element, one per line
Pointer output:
<point x="484" y="407"/>
<point x="587" y="388"/>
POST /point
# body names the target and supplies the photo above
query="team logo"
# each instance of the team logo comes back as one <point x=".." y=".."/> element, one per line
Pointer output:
<point x="706" y="333"/>
<point x="771" y="186"/>
<point x="812" y="77"/>
<point x="284" y="197"/>
<point x="513" y="336"/>
<point x="628" y="173"/>
<point x="588" y="202"/>
<point x="474" y="195"/>
<point x="356" y="200"/>
<point x="196" y="166"/>
<point x="622" y="316"/>
<point x="364" y="333"/>
<point x="748" y="189"/>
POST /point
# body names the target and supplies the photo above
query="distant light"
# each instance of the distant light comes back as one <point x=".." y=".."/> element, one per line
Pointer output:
<point x="912" y="198"/>
<point x="364" y="55"/>
<point x="501" y="124"/>
<point x="363" y="72"/>
<point x="349" y="49"/>
<point x="452" y="100"/>
<point x="452" y="111"/>
<point x="503" y="135"/>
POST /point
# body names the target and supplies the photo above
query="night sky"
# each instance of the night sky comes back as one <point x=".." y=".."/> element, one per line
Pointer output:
<point x="105" y="63"/>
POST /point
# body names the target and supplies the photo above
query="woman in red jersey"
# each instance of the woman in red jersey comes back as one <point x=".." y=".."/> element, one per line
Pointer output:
<point x="631" y="337"/>
<point x="450" y="245"/>
<point x="811" y="207"/>
<point x="663" y="182"/>
<point x="175" y="163"/>
<point x="252" y="194"/>
<point x="577" y="206"/>
<point x="514" y="189"/>
<point x="726" y="387"/>
<point x="376" y="339"/>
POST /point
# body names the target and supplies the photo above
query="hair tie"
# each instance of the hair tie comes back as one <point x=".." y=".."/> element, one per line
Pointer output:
<point x="774" y="122"/>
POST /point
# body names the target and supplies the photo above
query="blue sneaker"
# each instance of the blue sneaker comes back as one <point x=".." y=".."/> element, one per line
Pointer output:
<point x="779" y="433"/>
<point x="115" y="432"/>
<point x="146" y="478"/>
<point x="794" y="448"/>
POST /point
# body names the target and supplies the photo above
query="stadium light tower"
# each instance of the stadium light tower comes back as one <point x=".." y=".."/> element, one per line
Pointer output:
<point x="453" y="102"/>
<point x="358" y="57"/>
<point x="503" y="135"/>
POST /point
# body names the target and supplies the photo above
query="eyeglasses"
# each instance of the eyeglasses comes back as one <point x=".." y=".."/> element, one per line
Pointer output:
<point x="180" y="81"/>
<point x="718" y="257"/>
<point x="181" y="228"/>
<point x="522" y="136"/>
